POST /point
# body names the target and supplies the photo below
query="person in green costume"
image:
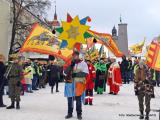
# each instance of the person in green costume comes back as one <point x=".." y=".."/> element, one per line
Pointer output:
<point x="100" y="82"/>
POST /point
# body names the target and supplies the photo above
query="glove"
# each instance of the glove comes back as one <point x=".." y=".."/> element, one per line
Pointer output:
<point x="74" y="75"/>
<point x="146" y="81"/>
<point x="94" y="79"/>
<point x="73" y="63"/>
<point x="18" y="84"/>
<point x="136" y="93"/>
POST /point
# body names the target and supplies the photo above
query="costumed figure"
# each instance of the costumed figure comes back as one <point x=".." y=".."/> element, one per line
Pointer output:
<point x="90" y="83"/>
<point x="114" y="77"/>
<point x="100" y="82"/>
<point x="75" y="77"/>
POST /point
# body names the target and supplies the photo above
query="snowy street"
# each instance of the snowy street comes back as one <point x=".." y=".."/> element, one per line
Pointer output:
<point x="42" y="105"/>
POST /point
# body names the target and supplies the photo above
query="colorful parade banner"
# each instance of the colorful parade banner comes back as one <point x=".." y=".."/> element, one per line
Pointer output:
<point x="137" y="48"/>
<point x="153" y="56"/>
<point x="106" y="40"/>
<point x="41" y="40"/>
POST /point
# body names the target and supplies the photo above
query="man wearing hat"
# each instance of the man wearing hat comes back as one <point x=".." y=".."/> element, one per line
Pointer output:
<point x="15" y="75"/>
<point x="79" y="73"/>
<point x="144" y="88"/>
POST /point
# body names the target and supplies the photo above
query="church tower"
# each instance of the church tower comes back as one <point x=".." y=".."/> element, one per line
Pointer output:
<point x="123" y="38"/>
<point x="55" y="23"/>
<point x="114" y="35"/>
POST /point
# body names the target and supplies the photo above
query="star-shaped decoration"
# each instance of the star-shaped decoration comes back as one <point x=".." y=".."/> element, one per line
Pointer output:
<point x="73" y="32"/>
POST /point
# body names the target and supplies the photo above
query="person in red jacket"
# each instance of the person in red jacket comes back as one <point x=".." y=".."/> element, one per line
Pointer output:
<point x="90" y="83"/>
<point x="114" y="77"/>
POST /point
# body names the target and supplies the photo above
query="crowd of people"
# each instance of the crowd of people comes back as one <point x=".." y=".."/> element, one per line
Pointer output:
<point x="18" y="77"/>
<point x="81" y="77"/>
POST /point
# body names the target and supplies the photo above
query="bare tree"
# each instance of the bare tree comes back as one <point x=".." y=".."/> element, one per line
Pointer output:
<point x="21" y="21"/>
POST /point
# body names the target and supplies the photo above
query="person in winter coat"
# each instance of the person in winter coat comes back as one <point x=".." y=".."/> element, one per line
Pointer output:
<point x="15" y="77"/>
<point x="144" y="88"/>
<point x="28" y="76"/>
<point x="35" y="75"/>
<point x="130" y="69"/>
<point x="124" y="69"/>
<point x="53" y="75"/>
<point x="2" y="80"/>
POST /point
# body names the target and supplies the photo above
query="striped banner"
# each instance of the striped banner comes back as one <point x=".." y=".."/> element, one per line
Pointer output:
<point x="153" y="56"/>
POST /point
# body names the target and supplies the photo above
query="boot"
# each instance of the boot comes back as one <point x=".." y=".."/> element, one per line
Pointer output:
<point x="57" y="90"/>
<point x="2" y="106"/>
<point x="141" y="115"/>
<point x="147" y="116"/>
<point x="152" y="96"/>
<point x="11" y="106"/>
<point x="68" y="116"/>
<point x="90" y="103"/>
<point x="86" y="103"/>
<point x="51" y="90"/>
<point x="90" y="100"/>
<point x="17" y="105"/>
<point x="86" y="100"/>
<point x="79" y="117"/>
<point x="1" y="102"/>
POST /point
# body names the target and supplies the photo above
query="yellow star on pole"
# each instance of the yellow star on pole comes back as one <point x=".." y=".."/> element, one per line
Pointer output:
<point x="73" y="32"/>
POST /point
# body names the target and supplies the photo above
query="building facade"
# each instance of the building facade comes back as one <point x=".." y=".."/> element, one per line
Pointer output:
<point x="5" y="26"/>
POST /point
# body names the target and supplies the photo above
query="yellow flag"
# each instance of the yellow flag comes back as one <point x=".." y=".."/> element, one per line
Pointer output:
<point x="41" y="40"/>
<point x="137" y="48"/>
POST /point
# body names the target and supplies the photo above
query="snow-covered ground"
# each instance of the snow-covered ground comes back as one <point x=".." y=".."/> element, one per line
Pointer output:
<point x="42" y="105"/>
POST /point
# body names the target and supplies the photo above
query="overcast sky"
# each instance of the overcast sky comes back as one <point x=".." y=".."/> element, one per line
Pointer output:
<point x="142" y="16"/>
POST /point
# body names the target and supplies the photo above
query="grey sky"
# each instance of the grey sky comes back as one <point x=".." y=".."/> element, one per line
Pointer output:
<point x="142" y="16"/>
